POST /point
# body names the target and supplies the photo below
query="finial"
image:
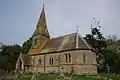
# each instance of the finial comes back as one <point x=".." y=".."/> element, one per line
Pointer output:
<point x="77" y="37"/>
<point x="77" y="29"/>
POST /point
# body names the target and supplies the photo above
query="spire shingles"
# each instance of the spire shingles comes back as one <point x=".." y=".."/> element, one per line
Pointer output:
<point x="41" y="27"/>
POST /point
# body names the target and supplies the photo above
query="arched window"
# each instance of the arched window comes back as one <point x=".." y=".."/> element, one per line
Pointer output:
<point x="69" y="57"/>
<point x="51" y="60"/>
<point x="20" y="64"/>
<point x="84" y="58"/>
<point x="39" y="61"/>
<point x="66" y="58"/>
<point x="35" y="43"/>
<point x="33" y="61"/>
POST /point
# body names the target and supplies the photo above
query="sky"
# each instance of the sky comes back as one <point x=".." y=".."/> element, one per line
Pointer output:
<point x="18" y="18"/>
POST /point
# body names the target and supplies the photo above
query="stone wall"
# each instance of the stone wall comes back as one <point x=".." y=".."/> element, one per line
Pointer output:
<point x="82" y="62"/>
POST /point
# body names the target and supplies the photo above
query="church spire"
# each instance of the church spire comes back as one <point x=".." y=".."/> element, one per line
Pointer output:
<point x="41" y="27"/>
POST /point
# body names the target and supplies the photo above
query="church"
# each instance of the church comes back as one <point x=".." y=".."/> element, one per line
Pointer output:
<point x="69" y="53"/>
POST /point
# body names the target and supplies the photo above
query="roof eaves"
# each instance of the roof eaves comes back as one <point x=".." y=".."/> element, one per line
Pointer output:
<point x="61" y="51"/>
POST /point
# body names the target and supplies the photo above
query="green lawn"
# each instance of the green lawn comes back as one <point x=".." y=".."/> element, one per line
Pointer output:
<point x="111" y="76"/>
<point x="53" y="77"/>
<point x="47" y="77"/>
<point x="78" y="77"/>
<point x="97" y="77"/>
<point x="85" y="78"/>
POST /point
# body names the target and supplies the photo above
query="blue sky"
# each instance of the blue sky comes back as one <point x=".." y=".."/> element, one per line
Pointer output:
<point x="18" y="18"/>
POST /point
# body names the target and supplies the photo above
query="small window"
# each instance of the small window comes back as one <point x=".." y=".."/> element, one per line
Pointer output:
<point x="35" y="41"/>
<point x="69" y="57"/>
<point x="51" y="60"/>
<point x="33" y="61"/>
<point x="84" y="58"/>
<point x="20" y="64"/>
<point x="39" y="61"/>
<point x="66" y="58"/>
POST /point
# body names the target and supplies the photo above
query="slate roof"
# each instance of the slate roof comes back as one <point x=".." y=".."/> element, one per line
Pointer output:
<point x="65" y="42"/>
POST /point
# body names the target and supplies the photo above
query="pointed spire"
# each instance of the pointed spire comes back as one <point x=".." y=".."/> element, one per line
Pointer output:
<point x="43" y="5"/>
<point x="41" y="28"/>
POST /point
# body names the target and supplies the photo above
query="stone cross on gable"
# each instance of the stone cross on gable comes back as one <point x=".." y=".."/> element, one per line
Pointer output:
<point x="77" y="29"/>
<point x="77" y="36"/>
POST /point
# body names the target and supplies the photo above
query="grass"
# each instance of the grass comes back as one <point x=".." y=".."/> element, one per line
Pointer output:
<point x="111" y="76"/>
<point x="77" y="77"/>
<point x="84" y="78"/>
<point x="47" y="77"/>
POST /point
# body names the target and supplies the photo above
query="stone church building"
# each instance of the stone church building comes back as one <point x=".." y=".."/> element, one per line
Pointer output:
<point x="67" y="53"/>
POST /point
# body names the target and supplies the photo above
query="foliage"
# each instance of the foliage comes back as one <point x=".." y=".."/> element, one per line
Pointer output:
<point x="112" y="54"/>
<point x="97" y="41"/>
<point x="8" y="57"/>
<point x="10" y="53"/>
<point x="27" y="45"/>
<point x="107" y="50"/>
<point x="75" y="77"/>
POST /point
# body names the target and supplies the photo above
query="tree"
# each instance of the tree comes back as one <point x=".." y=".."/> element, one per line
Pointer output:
<point x="113" y="56"/>
<point x="97" y="41"/>
<point x="107" y="49"/>
<point x="27" y="45"/>
<point x="9" y="56"/>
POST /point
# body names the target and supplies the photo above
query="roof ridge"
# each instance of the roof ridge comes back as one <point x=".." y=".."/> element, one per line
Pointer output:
<point x="84" y="42"/>
<point x="62" y="36"/>
<point x="66" y="42"/>
<point x="89" y="45"/>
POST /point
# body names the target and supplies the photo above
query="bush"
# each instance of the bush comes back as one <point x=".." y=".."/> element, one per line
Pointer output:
<point x="2" y="72"/>
<point x="28" y="73"/>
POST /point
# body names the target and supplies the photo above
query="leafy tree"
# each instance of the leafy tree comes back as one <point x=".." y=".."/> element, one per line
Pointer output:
<point x="113" y="56"/>
<point x="107" y="49"/>
<point x="27" y="45"/>
<point x="97" y="41"/>
<point x="9" y="56"/>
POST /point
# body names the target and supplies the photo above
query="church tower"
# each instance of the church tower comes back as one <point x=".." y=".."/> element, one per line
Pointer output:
<point x="41" y="32"/>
